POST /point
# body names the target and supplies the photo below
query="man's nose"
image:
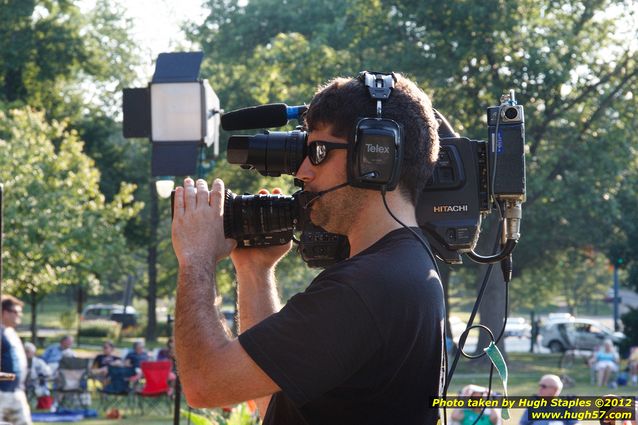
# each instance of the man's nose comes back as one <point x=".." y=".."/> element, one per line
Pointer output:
<point x="305" y="172"/>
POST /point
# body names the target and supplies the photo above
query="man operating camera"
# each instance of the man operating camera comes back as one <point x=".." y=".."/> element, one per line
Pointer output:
<point x="363" y="343"/>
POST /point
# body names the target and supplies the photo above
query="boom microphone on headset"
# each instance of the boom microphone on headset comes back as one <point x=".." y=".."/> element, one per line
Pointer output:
<point x="305" y="203"/>
<point x="263" y="116"/>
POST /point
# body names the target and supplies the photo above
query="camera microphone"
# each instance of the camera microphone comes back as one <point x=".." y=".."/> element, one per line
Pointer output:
<point x="262" y="116"/>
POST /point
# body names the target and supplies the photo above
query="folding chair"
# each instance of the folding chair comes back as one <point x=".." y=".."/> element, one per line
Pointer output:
<point x="156" y="388"/>
<point x="70" y="385"/>
<point x="117" y="388"/>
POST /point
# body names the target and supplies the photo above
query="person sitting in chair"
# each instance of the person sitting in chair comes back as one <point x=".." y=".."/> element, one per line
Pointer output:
<point x="53" y="354"/>
<point x="38" y="372"/>
<point x="469" y="416"/>
<point x="100" y="365"/>
<point x="633" y="366"/>
<point x="135" y="357"/>
<point x="605" y="362"/>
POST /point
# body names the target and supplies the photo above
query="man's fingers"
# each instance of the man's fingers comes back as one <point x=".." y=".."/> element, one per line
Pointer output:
<point x="217" y="196"/>
<point x="202" y="193"/>
<point x="189" y="194"/>
<point x="178" y="200"/>
<point x="275" y="191"/>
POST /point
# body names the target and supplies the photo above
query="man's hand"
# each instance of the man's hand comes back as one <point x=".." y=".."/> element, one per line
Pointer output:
<point x="198" y="225"/>
<point x="259" y="258"/>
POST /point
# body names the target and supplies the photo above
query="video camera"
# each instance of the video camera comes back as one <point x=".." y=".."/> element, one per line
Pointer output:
<point x="471" y="178"/>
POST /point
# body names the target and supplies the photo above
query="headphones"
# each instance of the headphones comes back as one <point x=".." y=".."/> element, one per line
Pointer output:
<point x="374" y="159"/>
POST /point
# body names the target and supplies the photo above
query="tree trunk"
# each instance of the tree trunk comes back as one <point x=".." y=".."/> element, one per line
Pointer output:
<point x="151" y="296"/>
<point x="534" y="333"/>
<point x="33" y="302"/>
<point x="80" y="306"/>
<point x="492" y="308"/>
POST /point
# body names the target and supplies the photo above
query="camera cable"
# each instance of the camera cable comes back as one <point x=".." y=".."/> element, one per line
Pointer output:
<point x="470" y="325"/>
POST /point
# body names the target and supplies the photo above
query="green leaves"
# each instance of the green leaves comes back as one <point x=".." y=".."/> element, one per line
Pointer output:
<point x="53" y="58"/>
<point x="58" y="227"/>
<point x="572" y="64"/>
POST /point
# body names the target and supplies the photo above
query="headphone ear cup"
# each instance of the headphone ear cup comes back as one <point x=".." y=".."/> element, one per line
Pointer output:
<point x="374" y="159"/>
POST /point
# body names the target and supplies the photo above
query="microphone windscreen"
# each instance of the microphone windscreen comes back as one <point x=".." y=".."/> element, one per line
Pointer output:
<point x="263" y="116"/>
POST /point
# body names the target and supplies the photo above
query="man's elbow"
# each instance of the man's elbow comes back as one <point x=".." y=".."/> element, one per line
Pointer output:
<point x="198" y="397"/>
<point x="197" y="402"/>
<point x="200" y="394"/>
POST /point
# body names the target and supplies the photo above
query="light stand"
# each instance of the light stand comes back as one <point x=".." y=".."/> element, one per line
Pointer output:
<point x="177" y="391"/>
<point x="180" y="114"/>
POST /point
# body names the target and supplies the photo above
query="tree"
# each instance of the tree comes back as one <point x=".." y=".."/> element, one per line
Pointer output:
<point x="73" y="65"/>
<point x="54" y="58"/>
<point x="59" y="228"/>
<point x="572" y="64"/>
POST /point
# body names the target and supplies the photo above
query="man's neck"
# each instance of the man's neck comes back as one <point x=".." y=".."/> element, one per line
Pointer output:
<point x="374" y="221"/>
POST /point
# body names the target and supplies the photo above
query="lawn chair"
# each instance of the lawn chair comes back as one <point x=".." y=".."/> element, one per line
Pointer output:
<point x="117" y="389"/>
<point x="70" y="385"/>
<point x="156" y="391"/>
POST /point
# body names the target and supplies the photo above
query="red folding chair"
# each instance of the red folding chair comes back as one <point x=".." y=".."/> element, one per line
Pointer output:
<point x="156" y="386"/>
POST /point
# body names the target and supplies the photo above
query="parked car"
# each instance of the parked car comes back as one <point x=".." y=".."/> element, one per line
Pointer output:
<point x="517" y="326"/>
<point x="114" y="312"/>
<point x="558" y="317"/>
<point x="576" y="334"/>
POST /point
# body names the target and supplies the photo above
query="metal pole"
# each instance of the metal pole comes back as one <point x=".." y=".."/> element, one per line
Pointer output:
<point x="616" y="298"/>
<point x="178" y="387"/>
<point x="534" y="332"/>
<point x="151" y="296"/>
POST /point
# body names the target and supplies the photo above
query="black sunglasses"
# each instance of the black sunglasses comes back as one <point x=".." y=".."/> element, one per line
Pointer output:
<point x="318" y="150"/>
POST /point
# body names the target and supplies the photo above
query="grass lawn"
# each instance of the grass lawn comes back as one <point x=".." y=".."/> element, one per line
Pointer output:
<point x="525" y="369"/>
<point x="132" y="420"/>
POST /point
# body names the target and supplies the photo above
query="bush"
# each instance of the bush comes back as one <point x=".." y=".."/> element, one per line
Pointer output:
<point x="139" y="331"/>
<point x="100" y="329"/>
<point x="68" y="319"/>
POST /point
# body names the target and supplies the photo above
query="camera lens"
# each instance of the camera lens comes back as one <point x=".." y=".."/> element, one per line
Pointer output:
<point x="272" y="153"/>
<point x="258" y="218"/>
<point x="511" y="113"/>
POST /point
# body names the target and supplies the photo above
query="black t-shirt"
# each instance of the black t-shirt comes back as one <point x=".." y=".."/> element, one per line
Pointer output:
<point x="361" y="345"/>
<point x="102" y="360"/>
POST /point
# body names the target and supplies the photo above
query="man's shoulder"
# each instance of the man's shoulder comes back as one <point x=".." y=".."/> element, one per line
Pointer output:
<point x="393" y="259"/>
<point x="51" y="348"/>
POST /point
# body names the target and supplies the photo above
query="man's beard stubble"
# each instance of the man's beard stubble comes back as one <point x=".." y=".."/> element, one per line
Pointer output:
<point x="337" y="211"/>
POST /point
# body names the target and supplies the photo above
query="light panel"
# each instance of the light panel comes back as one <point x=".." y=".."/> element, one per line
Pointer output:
<point x="176" y="111"/>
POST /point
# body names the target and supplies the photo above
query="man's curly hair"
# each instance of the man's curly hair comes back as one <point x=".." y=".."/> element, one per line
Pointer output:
<point x="341" y="102"/>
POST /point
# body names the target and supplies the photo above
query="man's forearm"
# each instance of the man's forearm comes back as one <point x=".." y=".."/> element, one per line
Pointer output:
<point x="257" y="296"/>
<point x="199" y="331"/>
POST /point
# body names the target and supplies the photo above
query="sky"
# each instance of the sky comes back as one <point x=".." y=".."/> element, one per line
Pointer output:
<point x="157" y="23"/>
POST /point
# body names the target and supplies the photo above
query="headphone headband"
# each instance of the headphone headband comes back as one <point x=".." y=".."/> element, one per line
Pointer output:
<point x="379" y="84"/>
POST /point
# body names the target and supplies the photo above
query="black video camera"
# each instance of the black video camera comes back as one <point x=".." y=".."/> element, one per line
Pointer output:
<point x="265" y="220"/>
<point x="470" y="179"/>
